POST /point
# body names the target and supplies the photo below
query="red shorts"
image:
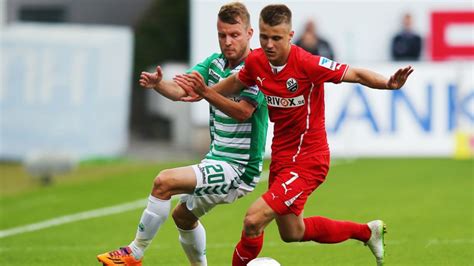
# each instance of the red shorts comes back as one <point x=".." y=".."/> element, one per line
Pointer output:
<point x="290" y="184"/>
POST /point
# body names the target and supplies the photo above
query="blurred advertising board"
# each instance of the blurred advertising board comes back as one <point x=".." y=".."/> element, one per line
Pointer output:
<point x="425" y="118"/>
<point x="64" y="88"/>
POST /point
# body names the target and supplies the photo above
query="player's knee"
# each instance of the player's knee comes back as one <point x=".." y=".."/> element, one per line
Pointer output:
<point x="162" y="185"/>
<point x="252" y="225"/>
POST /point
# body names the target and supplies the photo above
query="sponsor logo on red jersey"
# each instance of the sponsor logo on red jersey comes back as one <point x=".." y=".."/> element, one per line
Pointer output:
<point x="276" y="101"/>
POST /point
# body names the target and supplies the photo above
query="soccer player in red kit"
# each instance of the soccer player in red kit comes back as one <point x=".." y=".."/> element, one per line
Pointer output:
<point x="292" y="81"/>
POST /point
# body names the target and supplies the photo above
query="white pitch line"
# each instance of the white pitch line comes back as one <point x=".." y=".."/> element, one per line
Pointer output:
<point x="74" y="217"/>
<point x="93" y="214"/>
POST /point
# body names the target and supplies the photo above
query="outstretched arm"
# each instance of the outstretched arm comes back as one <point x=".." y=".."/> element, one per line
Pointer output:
<point x="375" y="80"/>
<point x="155" y="81"/>
<point x="240" y="111"/>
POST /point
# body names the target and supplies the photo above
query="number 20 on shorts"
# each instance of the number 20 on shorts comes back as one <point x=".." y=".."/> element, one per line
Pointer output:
<point x="214" y="173"/>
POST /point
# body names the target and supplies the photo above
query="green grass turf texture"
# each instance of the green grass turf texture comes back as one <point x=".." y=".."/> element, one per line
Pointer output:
<point x="426" y="203"/>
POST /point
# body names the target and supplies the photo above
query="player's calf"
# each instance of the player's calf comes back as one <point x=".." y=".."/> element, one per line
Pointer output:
<point x="184" y="218"/>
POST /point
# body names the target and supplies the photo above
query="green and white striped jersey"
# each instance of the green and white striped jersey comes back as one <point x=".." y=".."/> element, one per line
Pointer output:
<point x="241" y="144"/>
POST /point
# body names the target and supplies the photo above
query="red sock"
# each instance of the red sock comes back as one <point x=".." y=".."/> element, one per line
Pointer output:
<point x="324" y="230"/>
<point x="247" y="249"/>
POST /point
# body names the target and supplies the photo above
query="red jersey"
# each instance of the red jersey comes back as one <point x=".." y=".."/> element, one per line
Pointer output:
<point x="295" y="98"/>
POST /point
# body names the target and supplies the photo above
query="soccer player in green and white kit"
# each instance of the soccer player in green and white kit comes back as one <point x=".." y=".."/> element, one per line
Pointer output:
<point x="233" y="165"/>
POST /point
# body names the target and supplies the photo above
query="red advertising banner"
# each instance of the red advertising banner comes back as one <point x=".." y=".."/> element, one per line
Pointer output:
<point x="441" y="49"/>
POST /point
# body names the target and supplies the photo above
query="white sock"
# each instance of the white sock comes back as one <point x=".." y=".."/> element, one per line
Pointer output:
<point x="153" y="217"/>
<point x="194" y="244"/>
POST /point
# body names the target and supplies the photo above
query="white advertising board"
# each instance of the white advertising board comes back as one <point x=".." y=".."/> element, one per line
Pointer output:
<point x="64" y="89"/>
<point x="419" y="120"/>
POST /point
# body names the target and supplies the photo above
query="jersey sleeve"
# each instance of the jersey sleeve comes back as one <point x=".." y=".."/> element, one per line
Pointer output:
<point x="252" y="95"/>
<point x="245" y="74"/>
<point x="321" y="69"/>
<point x="203" y="67"/>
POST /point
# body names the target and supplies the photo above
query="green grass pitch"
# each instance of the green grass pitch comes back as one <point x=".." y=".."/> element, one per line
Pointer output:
<point x="426" y="203"/>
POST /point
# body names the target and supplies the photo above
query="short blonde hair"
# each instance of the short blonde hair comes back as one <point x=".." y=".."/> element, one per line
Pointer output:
<point x="231" y="11"/>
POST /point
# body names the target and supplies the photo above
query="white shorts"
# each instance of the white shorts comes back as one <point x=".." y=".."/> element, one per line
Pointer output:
<point x="217" y="183"/>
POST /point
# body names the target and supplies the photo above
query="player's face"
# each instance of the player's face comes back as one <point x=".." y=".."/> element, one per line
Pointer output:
<point x="276" y="42"/>
<point x="234" y="40"/>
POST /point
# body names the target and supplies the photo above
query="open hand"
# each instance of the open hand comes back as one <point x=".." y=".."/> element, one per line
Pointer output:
<point x="397" y="80"/>
<point x="150" y="80"/>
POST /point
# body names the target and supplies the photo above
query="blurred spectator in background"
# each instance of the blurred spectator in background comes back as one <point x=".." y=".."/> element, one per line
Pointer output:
<point x="406" y="45"/>
<point x="311" y="42"/>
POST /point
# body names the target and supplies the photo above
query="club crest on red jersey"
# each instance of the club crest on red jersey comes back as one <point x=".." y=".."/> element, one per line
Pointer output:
<point x="291" y="85"/>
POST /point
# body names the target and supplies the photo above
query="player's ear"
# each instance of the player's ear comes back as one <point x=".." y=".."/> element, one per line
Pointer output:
<point x="249" y="33"/>
<point x="292" y="33"/>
